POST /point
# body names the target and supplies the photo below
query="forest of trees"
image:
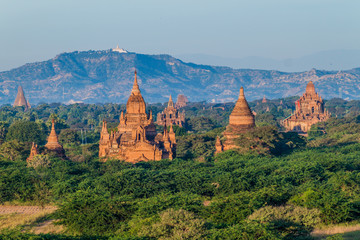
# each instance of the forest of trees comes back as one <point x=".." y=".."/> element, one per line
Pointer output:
<point x="277" y="185"/>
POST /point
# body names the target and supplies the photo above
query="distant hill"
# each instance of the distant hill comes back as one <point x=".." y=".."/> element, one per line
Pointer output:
<point x="326" y="60"/>
<point x="106" y="76"/>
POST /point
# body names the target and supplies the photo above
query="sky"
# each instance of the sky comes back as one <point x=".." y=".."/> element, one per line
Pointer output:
<point x="37" y="30"/>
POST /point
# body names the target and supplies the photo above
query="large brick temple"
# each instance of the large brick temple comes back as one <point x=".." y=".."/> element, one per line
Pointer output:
<point x="309" y="109"/>
<point x="136" y="138"/>
<point x="241" y="120"/>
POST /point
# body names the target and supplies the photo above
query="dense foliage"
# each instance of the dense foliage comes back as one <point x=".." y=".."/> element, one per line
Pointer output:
<point x="276" y="186"/>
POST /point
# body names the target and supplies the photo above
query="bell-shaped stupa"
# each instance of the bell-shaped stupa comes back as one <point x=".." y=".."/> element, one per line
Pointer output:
<point x="241" y="120"/>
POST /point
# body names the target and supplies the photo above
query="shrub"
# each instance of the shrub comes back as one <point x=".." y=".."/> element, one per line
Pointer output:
<point x="296" y="214"/>
<point x="176" y="224"/>
<point x="40" y="161"/>
<point x="89" y="212"/>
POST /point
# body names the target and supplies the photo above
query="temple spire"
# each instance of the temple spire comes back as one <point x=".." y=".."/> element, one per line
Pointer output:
<point x="135" y="90"/>
<point x="170" y="103"/>
<point x="241" y="94"/>
<point x="53" y="142"/>
<point x="21" y="100"/>
<point x="310" y="88"/>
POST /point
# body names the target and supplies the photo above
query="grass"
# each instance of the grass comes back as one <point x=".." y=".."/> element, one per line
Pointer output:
<point x="38" y="222"/>
<point x="349" y="231"/>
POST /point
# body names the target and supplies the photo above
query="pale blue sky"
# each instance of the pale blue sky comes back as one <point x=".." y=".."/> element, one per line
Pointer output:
<point x="36" y="30"/>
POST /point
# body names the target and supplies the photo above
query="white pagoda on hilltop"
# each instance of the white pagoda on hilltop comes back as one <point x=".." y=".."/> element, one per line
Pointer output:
<point x="119" y="50"/>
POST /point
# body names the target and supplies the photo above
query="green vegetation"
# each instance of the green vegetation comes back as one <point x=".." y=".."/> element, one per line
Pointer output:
<point x="276" y="186"/>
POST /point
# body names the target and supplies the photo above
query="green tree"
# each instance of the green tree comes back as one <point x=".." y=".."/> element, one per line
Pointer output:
<point x="25" y="131"/>
<point x="13" y="150"/>
<point x="92" y="213"/>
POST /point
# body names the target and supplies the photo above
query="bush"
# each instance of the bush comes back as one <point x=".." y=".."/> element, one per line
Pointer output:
<point x="40" y="161"/>
<point x="291" y="213"/>
<point x="89" y="212"/>
<point x="244" y="231"/>
<point x="175" y="224"/>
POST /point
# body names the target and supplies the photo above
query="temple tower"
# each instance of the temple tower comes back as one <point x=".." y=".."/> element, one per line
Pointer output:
<point x="20" y="99"/>
<point x="171" y="115"/>
<point x="53" y="144"/>
<point x="181" y="101"/>
<point x="34" y="151"/>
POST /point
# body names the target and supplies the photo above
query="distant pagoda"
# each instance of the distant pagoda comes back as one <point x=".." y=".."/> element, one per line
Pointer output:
<point x="241" y="120"/>
<point x="119" y="50"/>
<point x="309" y="109"/>
<point x="264" y="100"/>
<point x="52" y="146"/>
<point x="181" y="101"/>
<point x="33" y="152"/>
<point x="20" y="99"/>
<point x="170" y="115"/>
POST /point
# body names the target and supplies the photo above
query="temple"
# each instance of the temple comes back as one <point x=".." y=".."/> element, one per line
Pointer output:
<point x="181" y="101"/>
<point x="34" y="151"/>
<point x="171" y="115"/>
<point x="241" y="120"/>
<point x="136" y="138"/>
<point x="119" y="50"/>
<point x="309" y="109"/>
<point x="20" y="99"/>
<point x="264" y="100"/>
<point x="53" y="145"/>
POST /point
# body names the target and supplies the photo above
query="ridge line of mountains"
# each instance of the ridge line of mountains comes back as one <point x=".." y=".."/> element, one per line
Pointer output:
<point x="107" y="76"/>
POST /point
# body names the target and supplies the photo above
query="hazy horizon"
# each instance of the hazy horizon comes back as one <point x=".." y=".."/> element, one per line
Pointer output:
<point x="38" y="30"/>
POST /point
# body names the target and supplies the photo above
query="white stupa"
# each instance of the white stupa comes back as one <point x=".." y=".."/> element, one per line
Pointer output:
<point x="119" y="50"/>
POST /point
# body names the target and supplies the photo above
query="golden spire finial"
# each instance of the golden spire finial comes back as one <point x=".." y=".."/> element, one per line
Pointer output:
<point x="241" y="95"/>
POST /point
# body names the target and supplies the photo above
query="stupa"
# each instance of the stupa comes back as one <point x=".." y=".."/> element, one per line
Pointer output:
<point x="241" y="120"/>
<point x="53" y="144"/>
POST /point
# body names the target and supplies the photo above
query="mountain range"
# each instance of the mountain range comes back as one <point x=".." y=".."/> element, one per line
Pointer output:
<point x="107" y="76"/>
<point x="326" y="60"/>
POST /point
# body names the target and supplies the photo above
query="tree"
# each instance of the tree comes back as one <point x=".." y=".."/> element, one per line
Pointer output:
<point x="69" y="136"/>
<point x="13" y="150"/>
<point x="25" y="131"/>
<point x="89" y="212"/>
